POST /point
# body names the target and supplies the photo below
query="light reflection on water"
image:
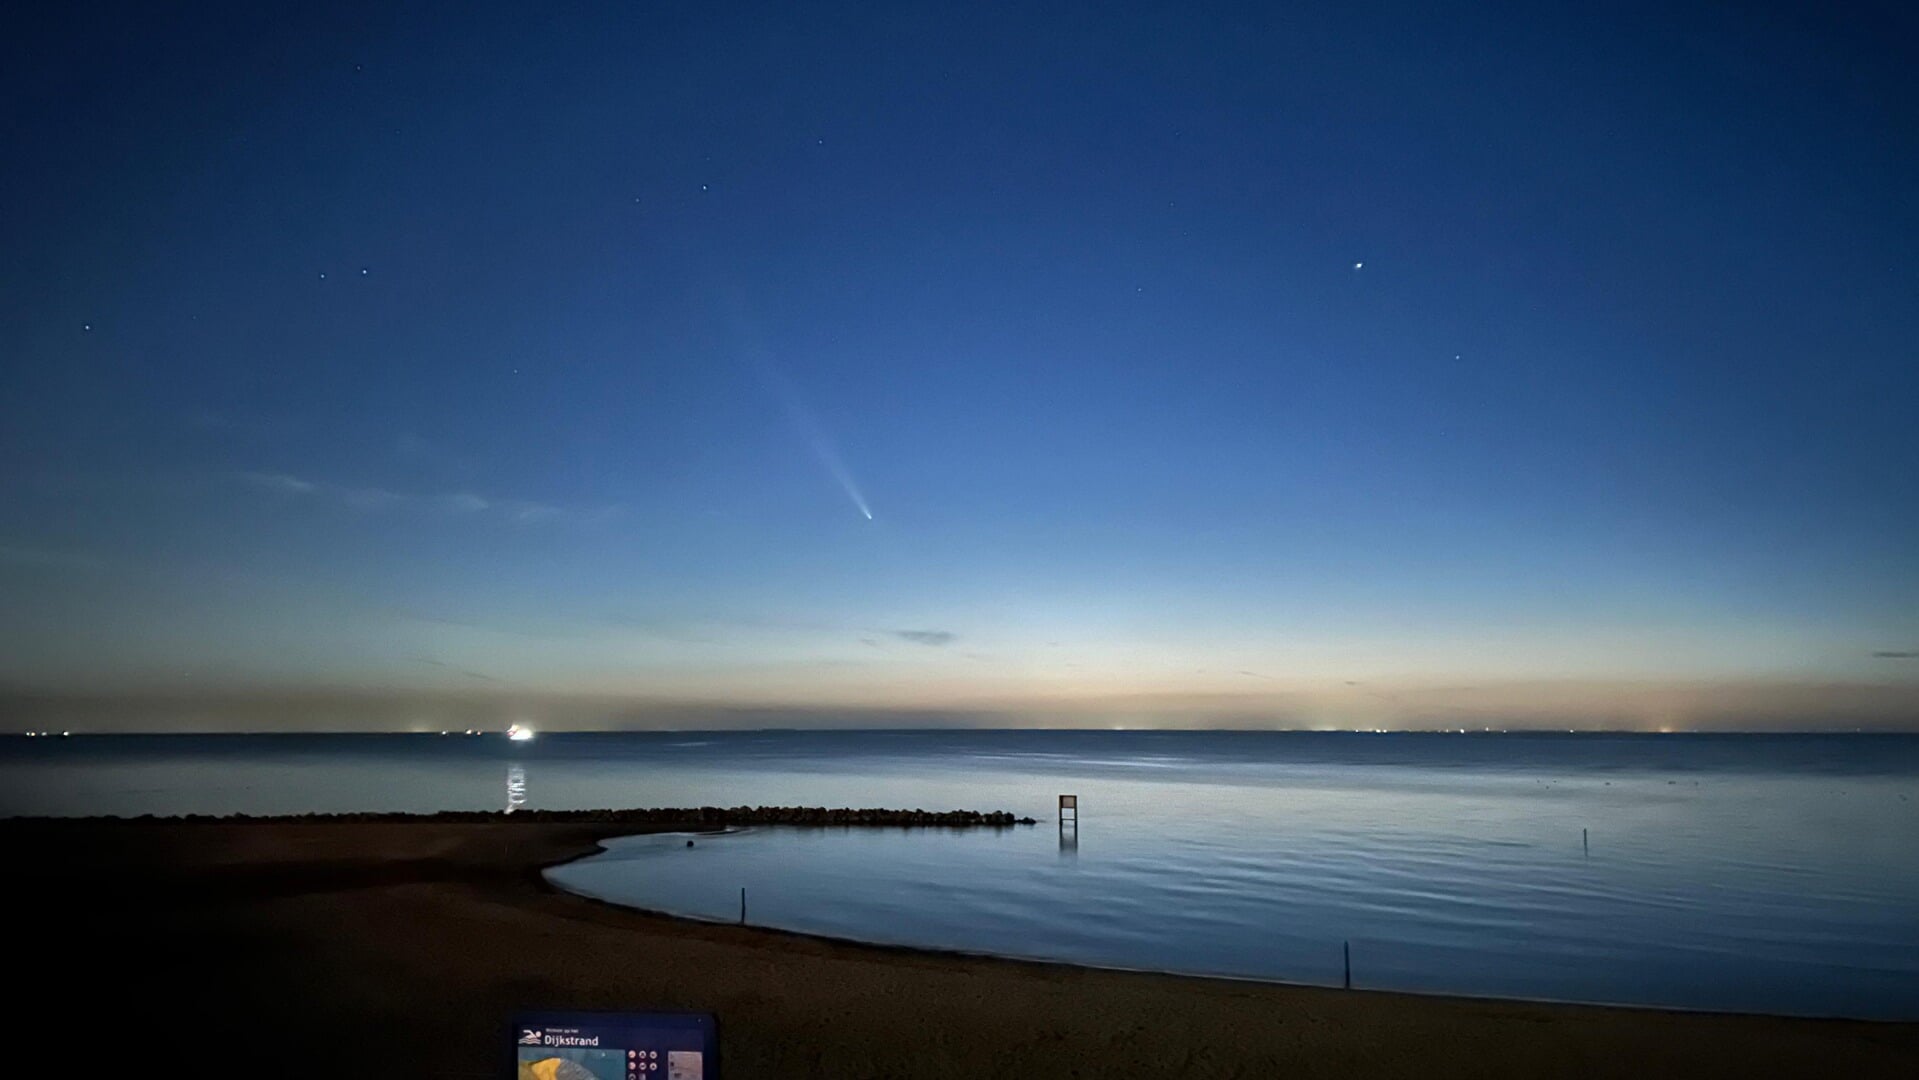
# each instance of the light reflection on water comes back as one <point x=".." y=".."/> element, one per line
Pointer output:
<point x="515" y="787"/>
<point x="1768" y="874"/>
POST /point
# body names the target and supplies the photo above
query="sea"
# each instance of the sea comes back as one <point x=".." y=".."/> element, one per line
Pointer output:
<point x="1752" y="873"/>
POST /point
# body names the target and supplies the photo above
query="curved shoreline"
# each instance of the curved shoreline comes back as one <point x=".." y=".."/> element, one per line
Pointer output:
<point x="599" y="847"/>
<point x="422" y="938"/>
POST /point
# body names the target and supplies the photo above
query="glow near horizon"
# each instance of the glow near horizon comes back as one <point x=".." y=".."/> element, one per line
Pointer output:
<point x="1140" y="421"/>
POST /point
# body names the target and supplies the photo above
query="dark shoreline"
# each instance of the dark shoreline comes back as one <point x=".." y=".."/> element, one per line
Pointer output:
<point x="421" y="937"/>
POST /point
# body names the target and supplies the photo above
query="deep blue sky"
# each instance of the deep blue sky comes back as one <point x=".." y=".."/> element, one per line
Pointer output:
<point x="1319" y="365"/>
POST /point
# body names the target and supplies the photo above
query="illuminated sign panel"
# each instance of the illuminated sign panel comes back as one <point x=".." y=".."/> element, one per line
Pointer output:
<point x="616" y="1046"/>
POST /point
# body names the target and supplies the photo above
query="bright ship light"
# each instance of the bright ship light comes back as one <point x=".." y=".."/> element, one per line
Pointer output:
<point x="519" y="733"/>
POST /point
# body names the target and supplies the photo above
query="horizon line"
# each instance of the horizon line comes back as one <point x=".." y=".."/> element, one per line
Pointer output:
<point x="1142" y="729"/>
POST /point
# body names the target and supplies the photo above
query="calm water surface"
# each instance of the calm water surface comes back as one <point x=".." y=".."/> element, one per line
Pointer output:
<point x="1762" y="873"/>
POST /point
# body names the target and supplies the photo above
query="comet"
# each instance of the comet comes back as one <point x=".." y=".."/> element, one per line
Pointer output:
<point x="805" y="424"/>
<point x="817" y="440"/>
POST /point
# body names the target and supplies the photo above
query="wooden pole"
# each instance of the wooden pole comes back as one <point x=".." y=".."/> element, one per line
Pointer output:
<point x="742" y="905"/>
<point x="1585" y="843"/>
<point x="1347" y="947"/>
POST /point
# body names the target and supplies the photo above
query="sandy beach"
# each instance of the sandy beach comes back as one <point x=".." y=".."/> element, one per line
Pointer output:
<point x="374" y="947"/>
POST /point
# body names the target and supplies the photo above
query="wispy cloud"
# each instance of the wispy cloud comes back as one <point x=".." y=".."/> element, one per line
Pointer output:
<point x="47" y="558"/>
<point x="444" y="666"/>
<point x="452" y="502"/>
<point x="418" y="450"/>
<point x="927" y="637"/>
<point x="1897" y="654"/>
<point x="464" y="503"/>
<point x="231" y="423"/>
<point x="279" y="482"/>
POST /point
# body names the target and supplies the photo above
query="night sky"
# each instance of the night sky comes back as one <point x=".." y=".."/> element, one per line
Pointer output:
<point x="1370" y="365"/>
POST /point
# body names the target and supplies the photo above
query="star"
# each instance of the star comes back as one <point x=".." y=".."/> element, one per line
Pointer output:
<point x="363" y="271"/>
<point x="323" y="275"/>
<point x="1358" y="265"/>
<point x="86" y="326"/>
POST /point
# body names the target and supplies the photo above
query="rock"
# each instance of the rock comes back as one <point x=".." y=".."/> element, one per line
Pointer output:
<point x="704" y="816"/>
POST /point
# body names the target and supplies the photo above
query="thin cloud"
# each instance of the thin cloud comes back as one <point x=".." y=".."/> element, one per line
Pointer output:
<point x="419" y="450"/>
<point x="464" y="502"/>
<point x="228" y="423"/>
<point x="1897" y="654"/>
<point x="528" y="511"/>
<point x="444" y="666"/>
<point x="461" y="503"/>
<point x="279" y="482"/>
<point x="370" y="498"/>
<point x="47" y="558"/>
<point x="927" y="637"/>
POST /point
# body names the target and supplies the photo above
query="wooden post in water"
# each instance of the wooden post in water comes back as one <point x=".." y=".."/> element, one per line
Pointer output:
<point x="1347" y="948"/>
<point x="1585" y="845"/>
<point x="742" y="905"/>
